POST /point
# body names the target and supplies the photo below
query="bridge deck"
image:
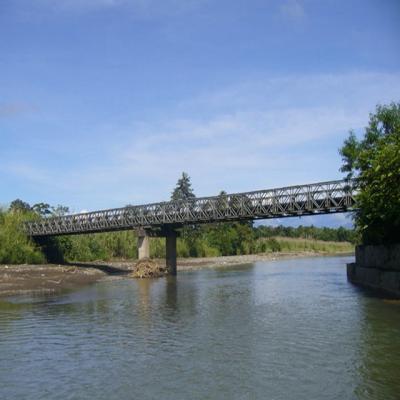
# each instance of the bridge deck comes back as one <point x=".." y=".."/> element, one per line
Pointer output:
<point x="316" y="198"/>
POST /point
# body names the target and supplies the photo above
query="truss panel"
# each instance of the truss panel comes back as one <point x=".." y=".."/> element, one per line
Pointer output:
<point x="317" y="198"/>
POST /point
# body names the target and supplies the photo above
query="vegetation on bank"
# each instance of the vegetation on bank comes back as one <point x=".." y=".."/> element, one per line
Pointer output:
<point x="296" y="245"/>
<point x="375" y="161"/>
<point x="237" y="238"/>
<point x="15" y="246"/>
<point x="205" y="241"/>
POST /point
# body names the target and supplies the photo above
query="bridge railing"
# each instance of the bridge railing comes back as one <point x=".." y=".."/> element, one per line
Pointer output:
<point x="317" y="198"/>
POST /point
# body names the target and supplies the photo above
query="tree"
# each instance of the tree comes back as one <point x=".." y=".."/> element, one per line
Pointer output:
<point x="19" y="206"/>
<point x="222" y="201"/>
<point x="59" y="211"/>
<point x="183" y="192"/>
<point x="183" y="189"/>
<point x="375" y="161"/>
<point x="43" y="209"/>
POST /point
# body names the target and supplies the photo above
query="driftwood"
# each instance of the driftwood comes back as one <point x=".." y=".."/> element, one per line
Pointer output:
<point x="147" y="268"/>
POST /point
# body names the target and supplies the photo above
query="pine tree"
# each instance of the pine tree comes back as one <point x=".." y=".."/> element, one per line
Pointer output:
<point x="183" y="189"/>
<point x="183" y="192"/>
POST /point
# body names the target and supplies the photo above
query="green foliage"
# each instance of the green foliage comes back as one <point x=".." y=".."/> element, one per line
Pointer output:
<point x="296" y="245"/>
<point x="375" y="162"/>
<point x="157" y="247"/>
<point x="274" y="245"/>
<point x="99" y="246"/>
<point x="184" y="192"/>
<point x="42" y="209"/>
<point x="183" y="189"/>
<point x="15" y="247"/>
<point x="230" y="238"/>
<point x="308" y="232"/>
<point x="59" y="211"/>
<point x="19" y="206"/>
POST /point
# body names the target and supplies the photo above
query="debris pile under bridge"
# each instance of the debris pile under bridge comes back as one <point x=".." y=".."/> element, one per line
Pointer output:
<point x="147" y="268"/>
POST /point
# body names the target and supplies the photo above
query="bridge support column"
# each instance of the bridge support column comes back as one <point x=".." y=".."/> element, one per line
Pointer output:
<point x="143" y="245"/>
<point x="170" y="256"/>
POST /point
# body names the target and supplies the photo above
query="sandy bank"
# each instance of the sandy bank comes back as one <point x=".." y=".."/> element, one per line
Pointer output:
<point x="42" y="279"/>
<point x="188" y="264"/>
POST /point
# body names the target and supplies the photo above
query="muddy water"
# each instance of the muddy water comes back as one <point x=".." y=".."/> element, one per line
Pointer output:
<point x="289" y="329"/>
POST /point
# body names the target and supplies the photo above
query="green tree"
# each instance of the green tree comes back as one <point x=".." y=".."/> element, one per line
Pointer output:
<point x="375" y="161"/>
<point x="15" y="246"/>
<point x="183" y="192"/>
<point x="43" y="209"/>
<point x="59" y="211"/>
<point x="19" y="206"/>
<point x="222" y="201"/>
<point x="183" y="189"/>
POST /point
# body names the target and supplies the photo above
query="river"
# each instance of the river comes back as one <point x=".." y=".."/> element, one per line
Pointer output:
<point x="288" y="329"/>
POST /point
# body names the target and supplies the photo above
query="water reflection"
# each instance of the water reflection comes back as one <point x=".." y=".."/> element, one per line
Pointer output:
<point x="9" y="313"/>
<point x="379" y="346"/>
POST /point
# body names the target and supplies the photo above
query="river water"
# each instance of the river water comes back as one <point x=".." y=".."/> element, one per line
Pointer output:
<point x="289" y="329"/>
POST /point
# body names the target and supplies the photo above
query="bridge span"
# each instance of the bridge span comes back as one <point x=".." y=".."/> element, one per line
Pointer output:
<point x="163" y="219"/>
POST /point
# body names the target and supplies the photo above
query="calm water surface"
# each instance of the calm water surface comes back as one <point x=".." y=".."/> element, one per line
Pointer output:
<point x="293" y="329"/>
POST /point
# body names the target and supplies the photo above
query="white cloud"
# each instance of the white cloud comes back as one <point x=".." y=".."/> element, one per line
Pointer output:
<point x="16" y="109"/>
<point x="253" y="135"/>
<point x="293" y="9"/>
<point x="137" y="8"/>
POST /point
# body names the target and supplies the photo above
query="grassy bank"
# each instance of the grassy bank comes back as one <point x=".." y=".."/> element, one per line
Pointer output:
<point x="293" y="245"/>
<point x="123" y="246"/>
<point x="15" y="246"/>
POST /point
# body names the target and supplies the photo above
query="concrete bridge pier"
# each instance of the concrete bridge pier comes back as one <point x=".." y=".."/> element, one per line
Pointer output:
<point x="143" y="245"/>
<point x="170" y="252"/>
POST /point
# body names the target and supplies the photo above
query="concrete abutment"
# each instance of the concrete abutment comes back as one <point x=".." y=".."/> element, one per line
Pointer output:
<point x="143" y="246"/>
<point x="377" y="268"/>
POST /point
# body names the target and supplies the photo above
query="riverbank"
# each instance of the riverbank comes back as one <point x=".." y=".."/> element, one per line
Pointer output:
<point x="189" y="264"/>
<point x="52" y="278"/>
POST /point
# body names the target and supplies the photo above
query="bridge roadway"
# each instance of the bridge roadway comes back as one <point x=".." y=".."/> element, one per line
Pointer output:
<point x="162" y="219"/>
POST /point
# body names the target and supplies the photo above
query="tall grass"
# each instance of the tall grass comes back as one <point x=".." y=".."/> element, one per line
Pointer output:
<point x="15" y="246"/>
<point x="293" y="245"/>
<point x="99" y="246"/>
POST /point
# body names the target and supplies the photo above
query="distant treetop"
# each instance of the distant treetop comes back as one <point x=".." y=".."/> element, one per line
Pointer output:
<point x="183" y="189"/>
<point x="19" y="206"/>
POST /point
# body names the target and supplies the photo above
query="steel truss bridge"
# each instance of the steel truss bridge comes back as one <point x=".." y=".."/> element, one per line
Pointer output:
<point x="316" y="198"/>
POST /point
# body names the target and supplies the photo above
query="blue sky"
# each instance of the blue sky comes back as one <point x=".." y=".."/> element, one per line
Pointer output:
<point x="106" y="102"/>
